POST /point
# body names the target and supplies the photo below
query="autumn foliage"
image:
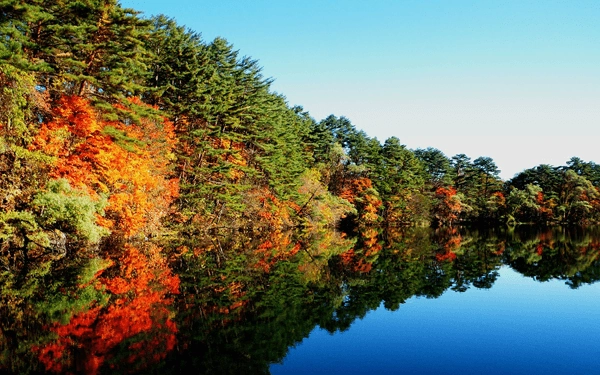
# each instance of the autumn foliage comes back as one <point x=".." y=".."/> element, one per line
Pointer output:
<point x="123" y="161"/>
<point x="360" y="192"/>
<point x="448" y="205"/>
<point x="140" y="286"/>
<point x="117" y="131"/>
<point x="361" y="258"/>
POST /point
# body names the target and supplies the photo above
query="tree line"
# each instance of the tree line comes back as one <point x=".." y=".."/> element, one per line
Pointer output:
<point x="114" y="126"/>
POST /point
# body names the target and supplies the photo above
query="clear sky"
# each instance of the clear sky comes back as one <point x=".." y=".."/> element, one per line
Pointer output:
<point x="518" y="81"/>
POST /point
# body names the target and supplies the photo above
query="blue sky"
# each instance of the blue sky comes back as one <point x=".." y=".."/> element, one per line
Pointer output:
<point x="518" y="81"/>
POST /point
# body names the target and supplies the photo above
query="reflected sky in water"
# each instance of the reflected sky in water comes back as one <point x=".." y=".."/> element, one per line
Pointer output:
<point x="519" y="326"/>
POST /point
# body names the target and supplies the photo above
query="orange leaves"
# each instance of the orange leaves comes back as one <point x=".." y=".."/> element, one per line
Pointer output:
<point x="371" y="245"/>
<point x="127" y="162"/>
<point x="451" y="242"/>
<point x="539" y="198"/>
<point x="448" y="205"/>
<point x="77" y="115"/>
<point x="500" y="199"/>
<point x="539" y="249"/>
<point x="229" y="153"/>
<point x="237" y="156"/>
<point x="500" y="248"/>
<point x="445" y="191"/>
<point x="354" y="187"/>
<point x="261" y="203"/>
<point x="141" y="288"/>
<point x="361" y="261"/>
<point x="447" y="256"/>
<point x="446" y="194"/>
<point x="355" y="262"/>
<point x="360" y="192"/>
<point x="277" y="248"/>
<point x="371" y="208"/>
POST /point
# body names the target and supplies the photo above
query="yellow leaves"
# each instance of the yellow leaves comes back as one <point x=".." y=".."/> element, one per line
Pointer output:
<point x="262" y="203"/>
<point x="360" y="192"/>
<point x="235" y="174"/>
<point x="237" y="154"/>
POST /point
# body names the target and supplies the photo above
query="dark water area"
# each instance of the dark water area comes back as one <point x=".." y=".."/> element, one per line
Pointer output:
<point x="453" y="301"/>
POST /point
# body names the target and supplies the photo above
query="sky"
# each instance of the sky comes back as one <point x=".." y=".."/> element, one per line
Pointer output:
<point x="518" y="81"/>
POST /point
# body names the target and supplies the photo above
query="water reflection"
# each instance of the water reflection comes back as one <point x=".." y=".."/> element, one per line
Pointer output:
<point x="88" y="314"/>
<point x="235" y="303"/>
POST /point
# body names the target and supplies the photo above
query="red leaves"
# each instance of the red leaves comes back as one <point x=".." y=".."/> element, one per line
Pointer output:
<point x="277" y="248"/>
<point x="448" y="207"/>
<point x="539" y="249"/>
<point x="447" y="256"/>
<point x="539" y="198"/>
<point x="361" y="261"/>
<point x="451" y="243"/>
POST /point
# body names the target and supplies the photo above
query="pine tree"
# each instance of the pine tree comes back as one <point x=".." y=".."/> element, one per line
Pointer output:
<point x="437" y="166"/>
<point x="86" y="48"/>
<point x="401" y="184"/>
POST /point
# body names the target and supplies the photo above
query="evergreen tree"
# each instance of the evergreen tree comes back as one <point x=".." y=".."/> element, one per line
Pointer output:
<point x="401" y="184"/>
<point x="487" y="173"/>
<point x="545" y="176"/>
<point x="461" y="168"/>
<point x="437" y="166"/>
<point x="590" y="171"/>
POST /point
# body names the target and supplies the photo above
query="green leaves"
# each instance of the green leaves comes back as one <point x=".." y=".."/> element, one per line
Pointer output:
<point x="69" y="210"/>
<point x="22" y="230"/>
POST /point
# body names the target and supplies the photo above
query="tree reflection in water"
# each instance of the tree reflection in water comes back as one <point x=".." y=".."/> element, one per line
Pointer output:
<point x="235" y="302"/>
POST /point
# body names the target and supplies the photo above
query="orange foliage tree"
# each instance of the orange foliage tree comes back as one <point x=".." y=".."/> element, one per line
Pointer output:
<point x="451" y="243"/>
<point x="360" y="192"/>
<point x="361" y="258"/>
<point x="125" y="161"/>
<point x="448" y="205"/>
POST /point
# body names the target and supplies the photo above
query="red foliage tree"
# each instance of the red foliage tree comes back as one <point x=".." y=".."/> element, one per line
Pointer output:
<point x="448" y="205"/>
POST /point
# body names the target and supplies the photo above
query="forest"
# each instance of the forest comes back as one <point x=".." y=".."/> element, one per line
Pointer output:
<point x="115" y="125"/>
<point x="130" y="145"/>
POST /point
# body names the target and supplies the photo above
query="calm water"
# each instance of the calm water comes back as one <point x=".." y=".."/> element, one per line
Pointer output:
<point x="417" y="301"/>
<point x="519" y="326"/>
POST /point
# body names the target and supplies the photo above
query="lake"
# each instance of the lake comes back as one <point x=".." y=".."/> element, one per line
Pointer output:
<point x="519" y="326"/>
<point x="522" y="301"/>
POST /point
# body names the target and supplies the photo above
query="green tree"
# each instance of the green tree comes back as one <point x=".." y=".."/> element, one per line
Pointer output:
<point x="487" y="174"/>
<point x="400" y="182"/>
<point x="524" y="205"/>
<point x="589" y="170"/>
<point x="574" y="203"/>
<point x="461" y="168"/>
<point x="437" y="166"/>
<point x="545" y="176"/>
